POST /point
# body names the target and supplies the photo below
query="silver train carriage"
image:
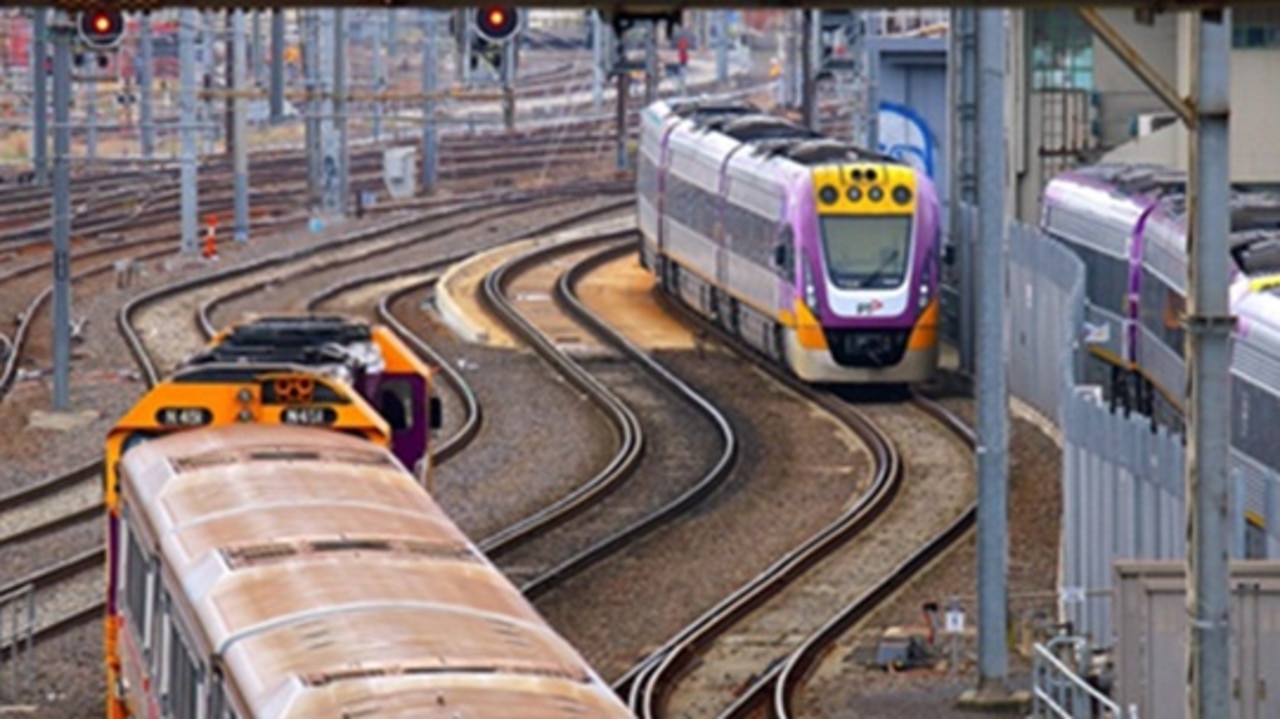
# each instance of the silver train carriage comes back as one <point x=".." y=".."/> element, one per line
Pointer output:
<point x="275" y="571"/>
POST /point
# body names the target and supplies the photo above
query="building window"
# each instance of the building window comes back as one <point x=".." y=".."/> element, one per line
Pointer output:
<point x="1061" y="50"/>
<point x="1255" y="28"/>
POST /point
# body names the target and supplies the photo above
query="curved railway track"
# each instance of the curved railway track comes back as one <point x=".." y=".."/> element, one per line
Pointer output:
<point x="50" y="582"/>
<point x="650" y="684"/>
<point x="718" y="471"/>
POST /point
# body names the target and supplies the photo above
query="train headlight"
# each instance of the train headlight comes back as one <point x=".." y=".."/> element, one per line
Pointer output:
<point x="828" y="195"/>
<point x="810" y="291"/>
<point x="876" y="194"/>
<point x="901" y="195"/>
<point x="926" y="293"/>
<point x="854" y="194"/>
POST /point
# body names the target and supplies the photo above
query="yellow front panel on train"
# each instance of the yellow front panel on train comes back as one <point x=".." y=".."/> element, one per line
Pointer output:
<point x="865" y="188"/>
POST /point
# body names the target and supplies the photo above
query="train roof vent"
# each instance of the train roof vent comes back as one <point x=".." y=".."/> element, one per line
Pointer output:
<point x="281" y="453"/>
<point x="700" y="112"/>
<point x="827" y="150"/>
<point x="435" y="666"/>
<point x="266" y="552"/>
<point x="1257" y="252"/>
<point x="756" y="128"/>
<point x="298" y="331"/>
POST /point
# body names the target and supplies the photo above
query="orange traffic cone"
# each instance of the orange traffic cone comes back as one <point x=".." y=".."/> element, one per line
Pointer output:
<point x="211" y="238"/>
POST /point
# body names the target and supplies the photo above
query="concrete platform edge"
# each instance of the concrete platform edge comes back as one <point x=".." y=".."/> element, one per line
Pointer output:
<point x="452" y="314"/>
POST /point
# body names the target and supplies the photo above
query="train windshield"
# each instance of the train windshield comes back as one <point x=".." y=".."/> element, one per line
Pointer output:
<point x="866" y="252"/>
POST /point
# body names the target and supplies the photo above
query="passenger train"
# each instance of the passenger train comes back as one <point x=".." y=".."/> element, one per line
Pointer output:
<point x="283" y="571"/>
<point x="343" y="375"/>
<point x="822" y="256"/>
<point x="1127" y="223"/>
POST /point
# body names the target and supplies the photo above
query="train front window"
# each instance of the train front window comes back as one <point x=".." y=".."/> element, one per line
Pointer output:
<point x="866" y="252"/>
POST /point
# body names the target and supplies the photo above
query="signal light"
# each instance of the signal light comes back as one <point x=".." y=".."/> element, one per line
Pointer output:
<point x="101" y="29"/>
<point x="497" y="23"/>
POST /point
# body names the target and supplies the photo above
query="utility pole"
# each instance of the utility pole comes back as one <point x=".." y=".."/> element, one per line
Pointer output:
<point x="39" y="99"/>
<point x="509" y="84"/>
<point x="210" y="133"/>
<point x="340" y="105"/>
<point x="187" y="123"/>
<point x="651" y="63"/>
<point x="311" y="81"/>
<point x="963" y="99"/>
<point x="330" y="182"/>
<point x="91" y="104"/>
<point x="146" y="118"/>
<point x="722" y="48"/>
<point x="1208" y="345"/>
<point x="430" y="57"/>
<point x="791" y="66"/>
<point x="597" y="62"/>
<point x="61" y="213"/>
<point x="256" y="52"/>
<point x="624" y="88"/>
<point x="239" y="125"/>
<point x="992" y="388"/>
<point x="806" y="70"/>
<point x="277" y="65"/>
<point x="376" y="49"/>
<point x="228" y="82"/>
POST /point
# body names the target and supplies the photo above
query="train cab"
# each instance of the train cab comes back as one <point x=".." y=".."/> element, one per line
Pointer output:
<point x="310" y="371"/>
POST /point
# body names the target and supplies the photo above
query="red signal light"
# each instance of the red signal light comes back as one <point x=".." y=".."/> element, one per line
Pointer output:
<point x="497" y="23"/>
<point x="101" y="29"/>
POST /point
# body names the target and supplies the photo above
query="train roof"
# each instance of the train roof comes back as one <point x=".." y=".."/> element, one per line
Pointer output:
<point x="332" y="585"/>
<point x="774" y="136"/>
<point x="1255" y="216"/>
<point x="340" y="345"/>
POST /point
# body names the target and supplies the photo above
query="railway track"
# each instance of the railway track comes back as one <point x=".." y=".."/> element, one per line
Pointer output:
<point x="604" y="515"/>
<point x="58" y="502"/>
<point x="50" y="582"/>
<point x="766" y="627"/>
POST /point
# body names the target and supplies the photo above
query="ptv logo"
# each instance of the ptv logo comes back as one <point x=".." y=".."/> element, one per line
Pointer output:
<point x="869" y="308"/>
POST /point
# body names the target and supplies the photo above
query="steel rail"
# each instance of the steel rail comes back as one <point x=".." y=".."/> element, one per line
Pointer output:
<point x="712" y="479"/>
<point x="776" y="688"/>
<point x="647" y="684"/>
<point x="630" y="435"/>
<point x="204" y="312"/>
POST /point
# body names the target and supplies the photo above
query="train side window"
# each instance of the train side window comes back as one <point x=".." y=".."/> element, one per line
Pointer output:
<point x="182" y="701"/>
<point x="136" y="583"/>
<point x="395" y="404"/>
<point x="785" y="254"/>
<point x="218" y="706"/>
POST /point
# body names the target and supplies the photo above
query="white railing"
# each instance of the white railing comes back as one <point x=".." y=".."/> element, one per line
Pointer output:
<point x="1059" y="691"/>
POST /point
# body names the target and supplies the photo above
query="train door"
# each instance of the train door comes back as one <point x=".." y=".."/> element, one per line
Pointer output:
<point x="404" y="401"/>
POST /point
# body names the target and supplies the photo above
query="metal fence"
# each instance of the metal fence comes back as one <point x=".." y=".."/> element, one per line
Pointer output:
<point x="1122" y="478"/>
<point x="1045" y="313"/>
<point x="17" y="636"/>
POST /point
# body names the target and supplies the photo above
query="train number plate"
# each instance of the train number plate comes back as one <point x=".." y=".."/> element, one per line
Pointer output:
<point x="309" y="416"/>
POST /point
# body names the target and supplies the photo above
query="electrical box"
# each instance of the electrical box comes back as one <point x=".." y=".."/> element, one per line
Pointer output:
<point x="400" y="171"/>
<point x="1151" y="621"/>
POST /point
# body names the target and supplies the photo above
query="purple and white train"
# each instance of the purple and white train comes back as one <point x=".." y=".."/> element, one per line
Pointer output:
<point x="822" y="256"/>
<point x="1128" y="225"/>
